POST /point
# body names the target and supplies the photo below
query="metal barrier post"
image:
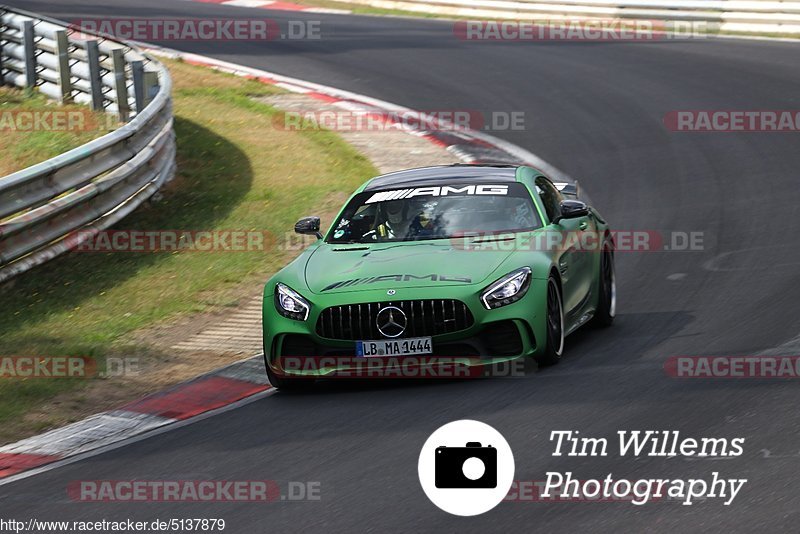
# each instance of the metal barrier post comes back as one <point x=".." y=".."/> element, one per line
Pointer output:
<point x="93" y="53"/>
<point x="121" y="87"/>
<point x="30" y="53"/>
<point x="150" y="86"/>
<point x="2" y="26"/>
<point x="137" y="69"/>
<point x="64" y="78"/>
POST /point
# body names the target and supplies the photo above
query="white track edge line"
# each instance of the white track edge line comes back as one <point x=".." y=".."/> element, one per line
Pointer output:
<point x="140" y="437"/>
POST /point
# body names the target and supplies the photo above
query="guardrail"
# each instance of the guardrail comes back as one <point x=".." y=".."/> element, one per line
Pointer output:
<point x="51" y="207"/>
<point x="734" y="16"/>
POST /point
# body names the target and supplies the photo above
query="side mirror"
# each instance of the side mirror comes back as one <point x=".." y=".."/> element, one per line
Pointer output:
<point x="308" y="225"/>
<point x="572" y="209"/>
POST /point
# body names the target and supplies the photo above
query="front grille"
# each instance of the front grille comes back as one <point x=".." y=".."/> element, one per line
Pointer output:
<point x="425" y="318"/>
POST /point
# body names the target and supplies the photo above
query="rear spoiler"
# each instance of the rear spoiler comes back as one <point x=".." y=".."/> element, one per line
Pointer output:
<point x="568" y="189"/>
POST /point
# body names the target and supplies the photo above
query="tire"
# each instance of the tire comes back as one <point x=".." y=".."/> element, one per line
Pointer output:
<point x="607" y="282"/>
<point x="554" y="341"/>
<point x="287" y="383"/>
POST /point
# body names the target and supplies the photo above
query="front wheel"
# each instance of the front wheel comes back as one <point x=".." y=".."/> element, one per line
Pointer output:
<point x="287" y="383"/>
<point x="554" y="342"/>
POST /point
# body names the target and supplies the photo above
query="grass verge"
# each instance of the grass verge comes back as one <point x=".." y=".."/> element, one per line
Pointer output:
<point x="34" y="129"/>
<point x="235" y="172"/>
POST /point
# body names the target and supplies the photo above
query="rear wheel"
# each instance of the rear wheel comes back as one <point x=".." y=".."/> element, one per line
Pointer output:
<point x="607" y="301"/>
<point x="554" y="342"/>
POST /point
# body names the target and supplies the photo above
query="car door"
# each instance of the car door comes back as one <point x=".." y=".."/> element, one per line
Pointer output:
<point x="574" y="262"/>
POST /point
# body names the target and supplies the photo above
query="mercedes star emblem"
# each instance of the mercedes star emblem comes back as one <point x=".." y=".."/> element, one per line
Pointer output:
<point x="391" y="321"/>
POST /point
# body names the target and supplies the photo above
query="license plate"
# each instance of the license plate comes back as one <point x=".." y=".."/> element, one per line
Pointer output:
<point x="394" y="347"/>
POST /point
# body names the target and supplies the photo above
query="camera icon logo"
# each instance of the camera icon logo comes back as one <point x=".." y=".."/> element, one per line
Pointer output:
<point x="472" y="466"/>
<point x="466" y="467"/>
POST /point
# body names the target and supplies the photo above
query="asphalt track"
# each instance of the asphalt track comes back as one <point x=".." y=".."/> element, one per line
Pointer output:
<point x="594" y="110"/>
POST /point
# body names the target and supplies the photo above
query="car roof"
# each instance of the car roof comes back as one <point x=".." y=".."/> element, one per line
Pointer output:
<point x="443" y="174"/>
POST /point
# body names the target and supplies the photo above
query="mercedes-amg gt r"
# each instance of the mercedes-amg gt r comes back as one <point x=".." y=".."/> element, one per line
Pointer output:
<point x="483" y="263"/>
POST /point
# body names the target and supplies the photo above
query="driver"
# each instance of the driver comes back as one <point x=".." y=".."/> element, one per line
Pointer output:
<point x="395" y="224"/>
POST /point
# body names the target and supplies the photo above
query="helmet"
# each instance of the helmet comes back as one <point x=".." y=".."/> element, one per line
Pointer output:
<point x="395" y="212"/>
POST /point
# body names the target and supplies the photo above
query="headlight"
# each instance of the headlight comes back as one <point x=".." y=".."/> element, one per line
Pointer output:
<point x="290" y="304"/>
<point x="508" y="289"/>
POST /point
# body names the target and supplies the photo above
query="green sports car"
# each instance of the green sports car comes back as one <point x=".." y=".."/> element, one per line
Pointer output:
<point x="475" y="263"/>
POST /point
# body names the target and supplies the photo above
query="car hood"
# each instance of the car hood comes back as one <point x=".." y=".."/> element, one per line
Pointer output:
<point x="342" y="268"/>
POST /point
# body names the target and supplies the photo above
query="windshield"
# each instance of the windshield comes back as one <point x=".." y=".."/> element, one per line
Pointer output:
<point x="436" y="212"/>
